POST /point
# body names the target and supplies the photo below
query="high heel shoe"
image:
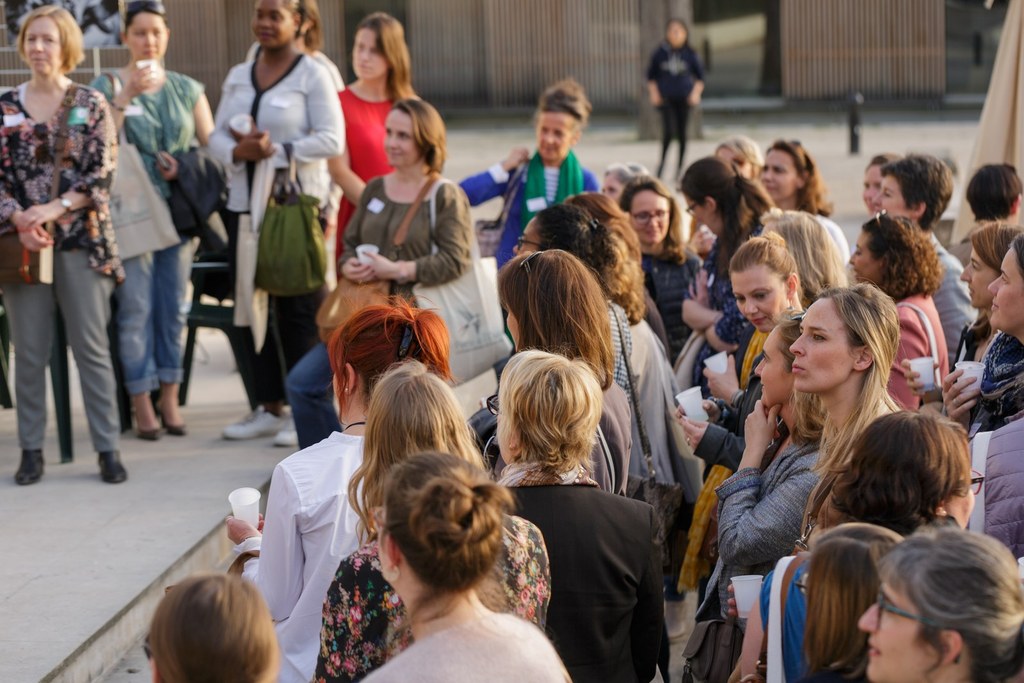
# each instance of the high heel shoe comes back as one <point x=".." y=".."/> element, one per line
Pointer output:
<point x="174" y="430"/>
<point x="31" y="469"/>
<point x="148" y="434"/>
<point x="111" y="469"/>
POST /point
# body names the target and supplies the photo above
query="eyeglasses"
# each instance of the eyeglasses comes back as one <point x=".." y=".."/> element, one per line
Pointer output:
<point x="522" y="240"/>
<point x="689" y="207"/>
<point x="492" y="404"/>
<point x="146" y="648"/>
<point x="884" y="605"/>
<point x="646" y="216"/>
<point x="977" y="479"/>
<point x="525" y="263"/>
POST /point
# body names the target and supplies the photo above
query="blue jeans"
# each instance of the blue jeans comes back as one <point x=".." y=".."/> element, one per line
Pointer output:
<point x="150" y="317"/>
<point x="309" y="388"/>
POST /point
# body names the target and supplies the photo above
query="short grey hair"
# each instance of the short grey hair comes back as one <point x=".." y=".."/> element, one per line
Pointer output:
<point x="968" y="583"/>
<point x="624" y="172"/>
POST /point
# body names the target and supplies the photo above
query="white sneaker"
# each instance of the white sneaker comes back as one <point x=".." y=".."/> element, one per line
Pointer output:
<point x="287" y="437"/>
<point x="254" y="425"/>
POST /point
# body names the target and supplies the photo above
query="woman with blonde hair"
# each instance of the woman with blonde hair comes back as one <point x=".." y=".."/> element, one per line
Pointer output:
<point x="364" y="624"/>
<point x="441" y="528"/>
<point x="606" y="620"/>
<point x="848" y="341"/>
<point x="744" y="154"/>
<point x="211" y="628"/>
<point x="818" y="260"/>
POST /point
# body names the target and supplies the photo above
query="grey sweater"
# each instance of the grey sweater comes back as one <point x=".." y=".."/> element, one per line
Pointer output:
<point x="759" y="516"/>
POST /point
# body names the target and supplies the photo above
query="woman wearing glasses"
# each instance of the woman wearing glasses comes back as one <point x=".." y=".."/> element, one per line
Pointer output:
<point x="365" y="623"/>
<point x="670" y="269"/>
<point x="950" y="608"/>
<point x="794" y="183"/>
<point x="309" y="524"/>
<point x="897" y="256"/>
<point x="162" y="113"/>
<point x="38" y="117"/>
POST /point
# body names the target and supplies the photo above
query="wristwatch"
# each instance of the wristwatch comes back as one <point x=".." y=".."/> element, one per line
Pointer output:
<point x="66" y="203"/>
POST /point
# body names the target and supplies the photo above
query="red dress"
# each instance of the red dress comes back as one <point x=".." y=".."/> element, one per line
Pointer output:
<point x="364" y="139"/>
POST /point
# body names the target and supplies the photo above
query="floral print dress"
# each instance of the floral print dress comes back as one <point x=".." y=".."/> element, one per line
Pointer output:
<point x="364" y="621"/>
<point x="27" y="157"/>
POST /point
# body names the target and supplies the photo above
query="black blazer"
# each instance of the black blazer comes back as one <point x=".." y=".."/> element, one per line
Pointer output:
<point x="606" y="611"/>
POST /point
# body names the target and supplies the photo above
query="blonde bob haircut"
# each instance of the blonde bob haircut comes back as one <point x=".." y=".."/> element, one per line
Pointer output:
<point x="818" y="261"/>
<point x="549" y="409"/>
<point x="214" y="627"/>
<point x="71" y="50"/>
<point x="411" y="410"/>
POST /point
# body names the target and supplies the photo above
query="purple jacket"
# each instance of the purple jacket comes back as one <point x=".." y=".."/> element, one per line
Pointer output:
<point x="1004" y="487"/>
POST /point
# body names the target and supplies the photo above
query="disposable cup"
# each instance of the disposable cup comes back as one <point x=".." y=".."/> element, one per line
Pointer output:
<point x="245" y="505"/>
<point x="241" y="124"/>
<point x="746" y="589"/>
<point x="925" y="369"/>
<point x="146" y="64"/>
<point x="363" y="251"/>
<point x="718" y="363"/>
<point x="972" y="369"/>
<point x="690" y="401"/>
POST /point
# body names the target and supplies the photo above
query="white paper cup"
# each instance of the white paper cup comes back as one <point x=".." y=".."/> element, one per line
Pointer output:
<point x="245" y="505"/>
<point x="718" y="363"/>
<point x="691" y="403"/>
<point x="241" y="124"/>
<point x="363" y="251"/>
<point x="746" y="589"/>
<point x="925" y="368"/>
<point x="972" y="368"/>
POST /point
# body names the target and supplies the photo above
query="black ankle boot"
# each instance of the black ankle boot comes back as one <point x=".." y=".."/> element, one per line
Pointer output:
<point x="31" y="469"/>
<point x="111" y="469"/>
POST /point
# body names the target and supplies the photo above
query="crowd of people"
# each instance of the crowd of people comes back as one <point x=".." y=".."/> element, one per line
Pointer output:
<point x="858" y="406"/>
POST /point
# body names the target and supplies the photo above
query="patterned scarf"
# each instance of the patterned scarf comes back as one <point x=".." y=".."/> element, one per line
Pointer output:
<point x="570" y="182"/>
<point x="1002" y="387"/>
<point x="522" y="474"/>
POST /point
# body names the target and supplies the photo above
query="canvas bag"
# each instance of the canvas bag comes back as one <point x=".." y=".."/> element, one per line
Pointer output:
<point x="142" y="220"/>
<point x="470" y="309"/>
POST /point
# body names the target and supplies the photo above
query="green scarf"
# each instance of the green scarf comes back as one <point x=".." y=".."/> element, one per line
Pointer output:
<point x="570" y="182"/>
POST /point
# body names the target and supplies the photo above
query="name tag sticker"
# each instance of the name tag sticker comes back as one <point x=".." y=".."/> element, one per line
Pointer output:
<point x="280" y="103"/>
<point x="133" y="110"/>
<point x="536" y="204"/>
<point x="375" y="205"/>
<point x="79" y="116"/>
<point x="11" y="120"/>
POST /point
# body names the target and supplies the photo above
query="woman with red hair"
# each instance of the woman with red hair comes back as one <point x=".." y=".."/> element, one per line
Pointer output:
<point x="310" y="525"/>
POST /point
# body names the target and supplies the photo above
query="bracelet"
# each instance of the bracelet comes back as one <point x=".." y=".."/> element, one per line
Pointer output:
<point x="737" y="397"/>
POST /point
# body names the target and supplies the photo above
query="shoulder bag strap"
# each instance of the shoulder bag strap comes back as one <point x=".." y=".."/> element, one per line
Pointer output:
<point x="62" y="149"/>
<point x="821" y="494"/>
<point x="771" y="639"/>
<point x="510" y="191"/>
<point x="608" y="459"/>
<point x="403" y="227"/>
<point x="927" y="324"/>
<point x="645" y="443"/>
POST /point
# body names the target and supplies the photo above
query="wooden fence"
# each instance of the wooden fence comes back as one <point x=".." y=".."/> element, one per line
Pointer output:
<point x="886" y="49"/>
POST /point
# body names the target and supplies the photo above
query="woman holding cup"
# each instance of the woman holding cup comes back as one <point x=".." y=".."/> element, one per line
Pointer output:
<point x="161" y="113"/>
<point x="761" y="505"/>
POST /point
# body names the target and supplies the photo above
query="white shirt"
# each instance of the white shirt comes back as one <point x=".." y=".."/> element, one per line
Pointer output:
<point x="836" y="233"/>
<point x="302" y="109"/>
<point x="310" y="527"/>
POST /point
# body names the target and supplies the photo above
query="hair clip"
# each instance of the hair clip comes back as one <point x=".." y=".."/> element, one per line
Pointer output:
<point x="406" y="343"/>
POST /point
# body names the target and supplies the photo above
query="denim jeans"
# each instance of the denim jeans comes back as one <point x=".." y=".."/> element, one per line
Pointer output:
<point x="150" y="318"/>
<point x="309" y="388"/>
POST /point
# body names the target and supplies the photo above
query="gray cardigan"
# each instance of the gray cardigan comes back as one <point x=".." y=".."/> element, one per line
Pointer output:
<point x="759" y="518"/>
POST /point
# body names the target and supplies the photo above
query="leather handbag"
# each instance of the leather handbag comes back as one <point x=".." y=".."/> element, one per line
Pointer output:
<point x="712" y="651"/>
<point x="348" y="297"/>
<point x="470" y="309"/>
<point x="141" y="218"/>
<point x="19" y="265"/>
<point x="291" y="259"/>
<point x="666" y="499"/>
<point x="489" y="231"/>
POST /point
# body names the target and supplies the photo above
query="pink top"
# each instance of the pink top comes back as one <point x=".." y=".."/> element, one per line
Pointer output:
<point x="364" y="136"/>
<point x="914" y="344"/>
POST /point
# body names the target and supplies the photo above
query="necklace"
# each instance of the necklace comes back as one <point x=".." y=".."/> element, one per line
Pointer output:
<point x="344" y="427"/>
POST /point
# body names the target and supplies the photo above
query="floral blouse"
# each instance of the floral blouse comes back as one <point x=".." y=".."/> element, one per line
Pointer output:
<point x="27" y="156"/>
<point x="365" y="622"/>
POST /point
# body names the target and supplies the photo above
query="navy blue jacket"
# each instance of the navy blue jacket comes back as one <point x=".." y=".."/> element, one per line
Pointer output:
<point x="675" y="71"/>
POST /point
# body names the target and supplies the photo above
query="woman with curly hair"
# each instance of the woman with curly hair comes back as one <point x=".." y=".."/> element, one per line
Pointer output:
<point x="794" y="183"/>
<point x="895" y="255"/>
<point x="669" y="269"/>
